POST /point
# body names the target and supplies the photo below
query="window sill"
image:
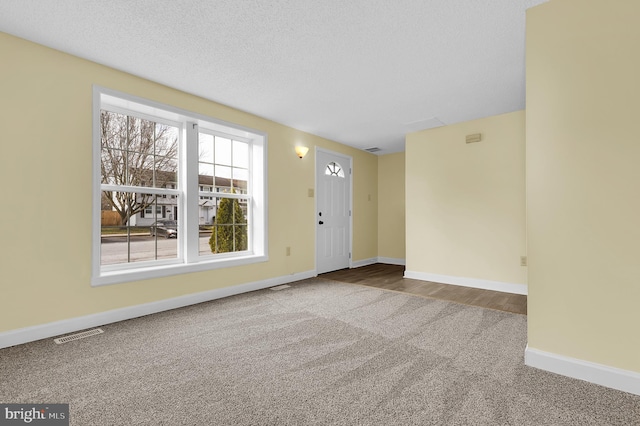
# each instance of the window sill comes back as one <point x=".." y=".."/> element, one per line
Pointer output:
<point x="137" y="274"/>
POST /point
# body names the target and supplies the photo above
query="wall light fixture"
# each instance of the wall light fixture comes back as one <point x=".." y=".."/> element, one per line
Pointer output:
<point x="301" y="151"/>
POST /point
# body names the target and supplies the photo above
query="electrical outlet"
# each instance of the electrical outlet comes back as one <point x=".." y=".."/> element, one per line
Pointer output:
<point x="523" y="260"/>
<point x="288" y="251"/>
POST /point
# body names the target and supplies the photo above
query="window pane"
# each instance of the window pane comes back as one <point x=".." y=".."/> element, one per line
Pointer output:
<point x="334" y="169"/>
<point x="223" y="151"/>
<point x="240" y="232"/>
<point x="205" y="174"/>
<point x="165" y="175"/>
<point x="205" y="150"/>
<point x="113" y="130"/>
<point x="240" y="176"/>
<point x="113" y="144"/>
<point x="206" y="170"/>
<point x="240" y="154"/>
<point x="139" y="169"/>
<point x="207" y="211"/>
<point x="112" y="165"/>
<point x="223" y="178"/>
<point x="139" y="138"/>
<point x="137" y="227"/>
<point x="227" y="239"/>
<point x="166" y="140"/>
<point x="223" y="171"/>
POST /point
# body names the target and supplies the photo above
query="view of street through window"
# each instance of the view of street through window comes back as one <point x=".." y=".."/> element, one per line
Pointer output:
<point x="141" y="246"/>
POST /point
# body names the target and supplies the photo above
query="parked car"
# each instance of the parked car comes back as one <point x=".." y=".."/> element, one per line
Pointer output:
<point x="166" y="228"/>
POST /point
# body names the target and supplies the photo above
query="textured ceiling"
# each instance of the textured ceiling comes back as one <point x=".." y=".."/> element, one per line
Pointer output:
<point x="360" y="72"/>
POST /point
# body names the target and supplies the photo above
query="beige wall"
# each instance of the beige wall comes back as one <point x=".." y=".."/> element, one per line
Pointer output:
<point x="391" y="206"/>
<point x="583" y="174"/>
<point x="365" y="208"/>
<point x="45" y="167"/>
<point x="466" y="202"/>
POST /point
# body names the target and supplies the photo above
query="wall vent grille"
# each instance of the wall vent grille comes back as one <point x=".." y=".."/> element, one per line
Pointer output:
<point x="476" y="137"/>
<point x="279" y="287"/>
<point x="78" y="336"/>
<point x="372" y="149"/>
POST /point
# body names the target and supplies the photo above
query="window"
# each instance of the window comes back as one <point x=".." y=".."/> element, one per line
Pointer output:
<point x="174" y="191"/>
<point x="223" y="163"/>
<point x="148" y="211"/>
<point x="334" y="169"/>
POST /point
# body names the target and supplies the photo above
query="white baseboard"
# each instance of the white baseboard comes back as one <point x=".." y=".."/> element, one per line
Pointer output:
<point x="468" y="282"/>
<point x="374" y="260"/>
<point x="364" y="262"/>
<point x="611" y="377"/>
<point x="391" y="261"/>
<point x="43" y="331"/>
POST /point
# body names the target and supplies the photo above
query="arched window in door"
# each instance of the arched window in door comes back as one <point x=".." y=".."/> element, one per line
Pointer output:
<point x="334" y="169"/>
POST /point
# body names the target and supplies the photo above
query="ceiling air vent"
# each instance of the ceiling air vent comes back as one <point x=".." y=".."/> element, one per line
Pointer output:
<point x="372" y="149"/>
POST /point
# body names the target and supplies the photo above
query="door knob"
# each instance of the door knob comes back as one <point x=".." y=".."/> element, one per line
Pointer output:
<point x="321" y="223"/>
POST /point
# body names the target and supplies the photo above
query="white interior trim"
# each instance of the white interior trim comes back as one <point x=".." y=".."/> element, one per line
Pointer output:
<point x="363" y="262"/>
<point x="611" y="377"/>
<point x="374" y="260"/>
<point x="43" y="331"/>
<point x="468" y="282"/>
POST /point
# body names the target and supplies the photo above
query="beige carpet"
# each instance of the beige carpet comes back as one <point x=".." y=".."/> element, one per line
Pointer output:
<point x="317" y="353"/>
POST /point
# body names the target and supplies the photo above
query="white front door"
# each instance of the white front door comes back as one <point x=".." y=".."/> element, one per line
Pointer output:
<point x="333" y="214"/>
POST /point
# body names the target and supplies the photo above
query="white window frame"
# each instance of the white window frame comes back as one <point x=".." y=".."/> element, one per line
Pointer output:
<point x="187" y="191"/>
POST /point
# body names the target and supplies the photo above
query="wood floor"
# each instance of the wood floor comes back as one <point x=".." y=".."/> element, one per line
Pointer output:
<point x="390" y="277"/>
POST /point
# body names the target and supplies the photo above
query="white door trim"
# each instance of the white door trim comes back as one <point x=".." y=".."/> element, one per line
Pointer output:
<point x="315" y="212"/>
